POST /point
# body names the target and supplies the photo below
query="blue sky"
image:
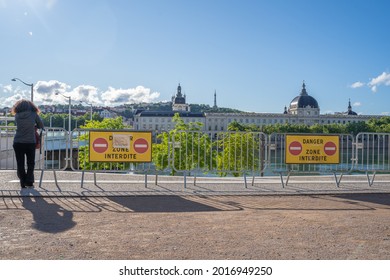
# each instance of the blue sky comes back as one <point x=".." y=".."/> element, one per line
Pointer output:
<point x="253" y="53"/>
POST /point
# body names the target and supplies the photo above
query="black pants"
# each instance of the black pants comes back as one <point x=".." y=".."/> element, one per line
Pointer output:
<point x="25" y="151"/>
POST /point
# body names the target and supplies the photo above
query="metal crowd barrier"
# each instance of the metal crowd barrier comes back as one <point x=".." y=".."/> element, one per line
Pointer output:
<point x="372" y="154"/>
<point x="52" y="155"/>
<point x="79" y="158"/>
<point x="54" y="150"/>
<point x="277" y="159"/>
<point x="237" y="153"/>
<point x="7" y="154"/>
<point x="200" y="153"/>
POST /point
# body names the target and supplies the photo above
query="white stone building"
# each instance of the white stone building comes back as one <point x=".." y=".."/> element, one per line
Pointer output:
<point x="303" y="109"/>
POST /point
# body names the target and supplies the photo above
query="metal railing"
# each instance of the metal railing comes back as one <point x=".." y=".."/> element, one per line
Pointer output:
<point x="237" y="153"/>
<point x="197" y="153"/>
<point x="80" y="158"/>
<point x="277" y="159"/>
<point x="372" y="154"/>
<point x="7" y="155"/>
<point x="51" y="155"/>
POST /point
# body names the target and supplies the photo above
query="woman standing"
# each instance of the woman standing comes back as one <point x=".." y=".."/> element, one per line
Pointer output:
<point x="27" y="119"/>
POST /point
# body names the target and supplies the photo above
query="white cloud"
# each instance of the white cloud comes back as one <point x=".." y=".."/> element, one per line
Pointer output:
<point x="132" y="95"/>
<point x="357" y="85"/>
<point x="52" y="86"/>
<point x="45" y="93"/>
<point x="11" y="100"/>
<point x="86" y="93"/>
<point x="6" y="88"/>
<point x="382" y="79"/>
<point x="357" y="104"/>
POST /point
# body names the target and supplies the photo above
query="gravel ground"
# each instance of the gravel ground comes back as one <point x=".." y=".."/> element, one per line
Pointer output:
<point x="340" y="226"/>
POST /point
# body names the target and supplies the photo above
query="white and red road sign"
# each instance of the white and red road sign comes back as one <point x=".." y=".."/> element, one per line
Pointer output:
<point x="295" y="148"/>
<point x="330" y="148"/>
<point x="120" y="146"/>
<point x="100" y="145"/>
<point x="312" y="149"/>
<point x="140" y="145"/>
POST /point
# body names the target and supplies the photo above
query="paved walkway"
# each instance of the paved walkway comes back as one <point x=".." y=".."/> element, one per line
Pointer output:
<point x="70" y="184"/>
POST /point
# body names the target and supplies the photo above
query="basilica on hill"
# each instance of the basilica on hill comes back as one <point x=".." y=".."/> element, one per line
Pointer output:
<point x="303" y="109"/>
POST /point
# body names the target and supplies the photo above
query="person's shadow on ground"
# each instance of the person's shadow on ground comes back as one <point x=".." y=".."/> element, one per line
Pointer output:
<point x="48" y="217"/>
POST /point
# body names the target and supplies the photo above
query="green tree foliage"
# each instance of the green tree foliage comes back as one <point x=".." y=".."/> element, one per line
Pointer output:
<point x="199" y="108"/>
<point x="61" y="120"/>
<point x="239" y="152"/>
<point x="373" y="125"/>
<point x="107" y="123"/>
<point x="381" y="125"/>
<point x="186" y="146"/>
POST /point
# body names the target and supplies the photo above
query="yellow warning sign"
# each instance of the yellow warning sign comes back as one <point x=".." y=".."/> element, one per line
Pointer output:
<point x="120" y="146"/>
<point x="322" y="149"/>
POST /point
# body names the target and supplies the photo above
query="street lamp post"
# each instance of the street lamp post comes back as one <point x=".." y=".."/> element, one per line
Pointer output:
<point x="89" y="104"/>
<point x="30" y="85"/>
<point x="70" y="113"/>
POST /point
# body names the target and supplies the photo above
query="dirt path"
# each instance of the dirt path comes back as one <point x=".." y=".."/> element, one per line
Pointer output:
<point x="194" y="227"/>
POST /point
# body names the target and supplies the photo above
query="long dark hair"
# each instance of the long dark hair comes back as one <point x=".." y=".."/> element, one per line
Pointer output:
<point x="24" y="105"/>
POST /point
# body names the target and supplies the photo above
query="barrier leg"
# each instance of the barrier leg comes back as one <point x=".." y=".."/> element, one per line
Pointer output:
<point x="94" y="179"/>
<point x="195" y="179"/>
<point x="155" y="182"/>
<point x="288" y="177"/>
<point x="337" y="181"/>
<point x="146" y="180"/>
<point x="185" y="180"/>
<point x="246" y="185"/>
<point x="82" y="179"/>
<point x="55" y="178"/>
<point x="281" y="179"/>
<point x="41" y="178"/>
<point x="370" y="182"/>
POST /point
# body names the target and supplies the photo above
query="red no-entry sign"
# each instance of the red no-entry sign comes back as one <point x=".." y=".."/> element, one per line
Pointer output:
<point x="295" y="148"/>
<point x="100" y="145"/>
<point x="140" y="145"/>
<point x="330" y="148"/>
